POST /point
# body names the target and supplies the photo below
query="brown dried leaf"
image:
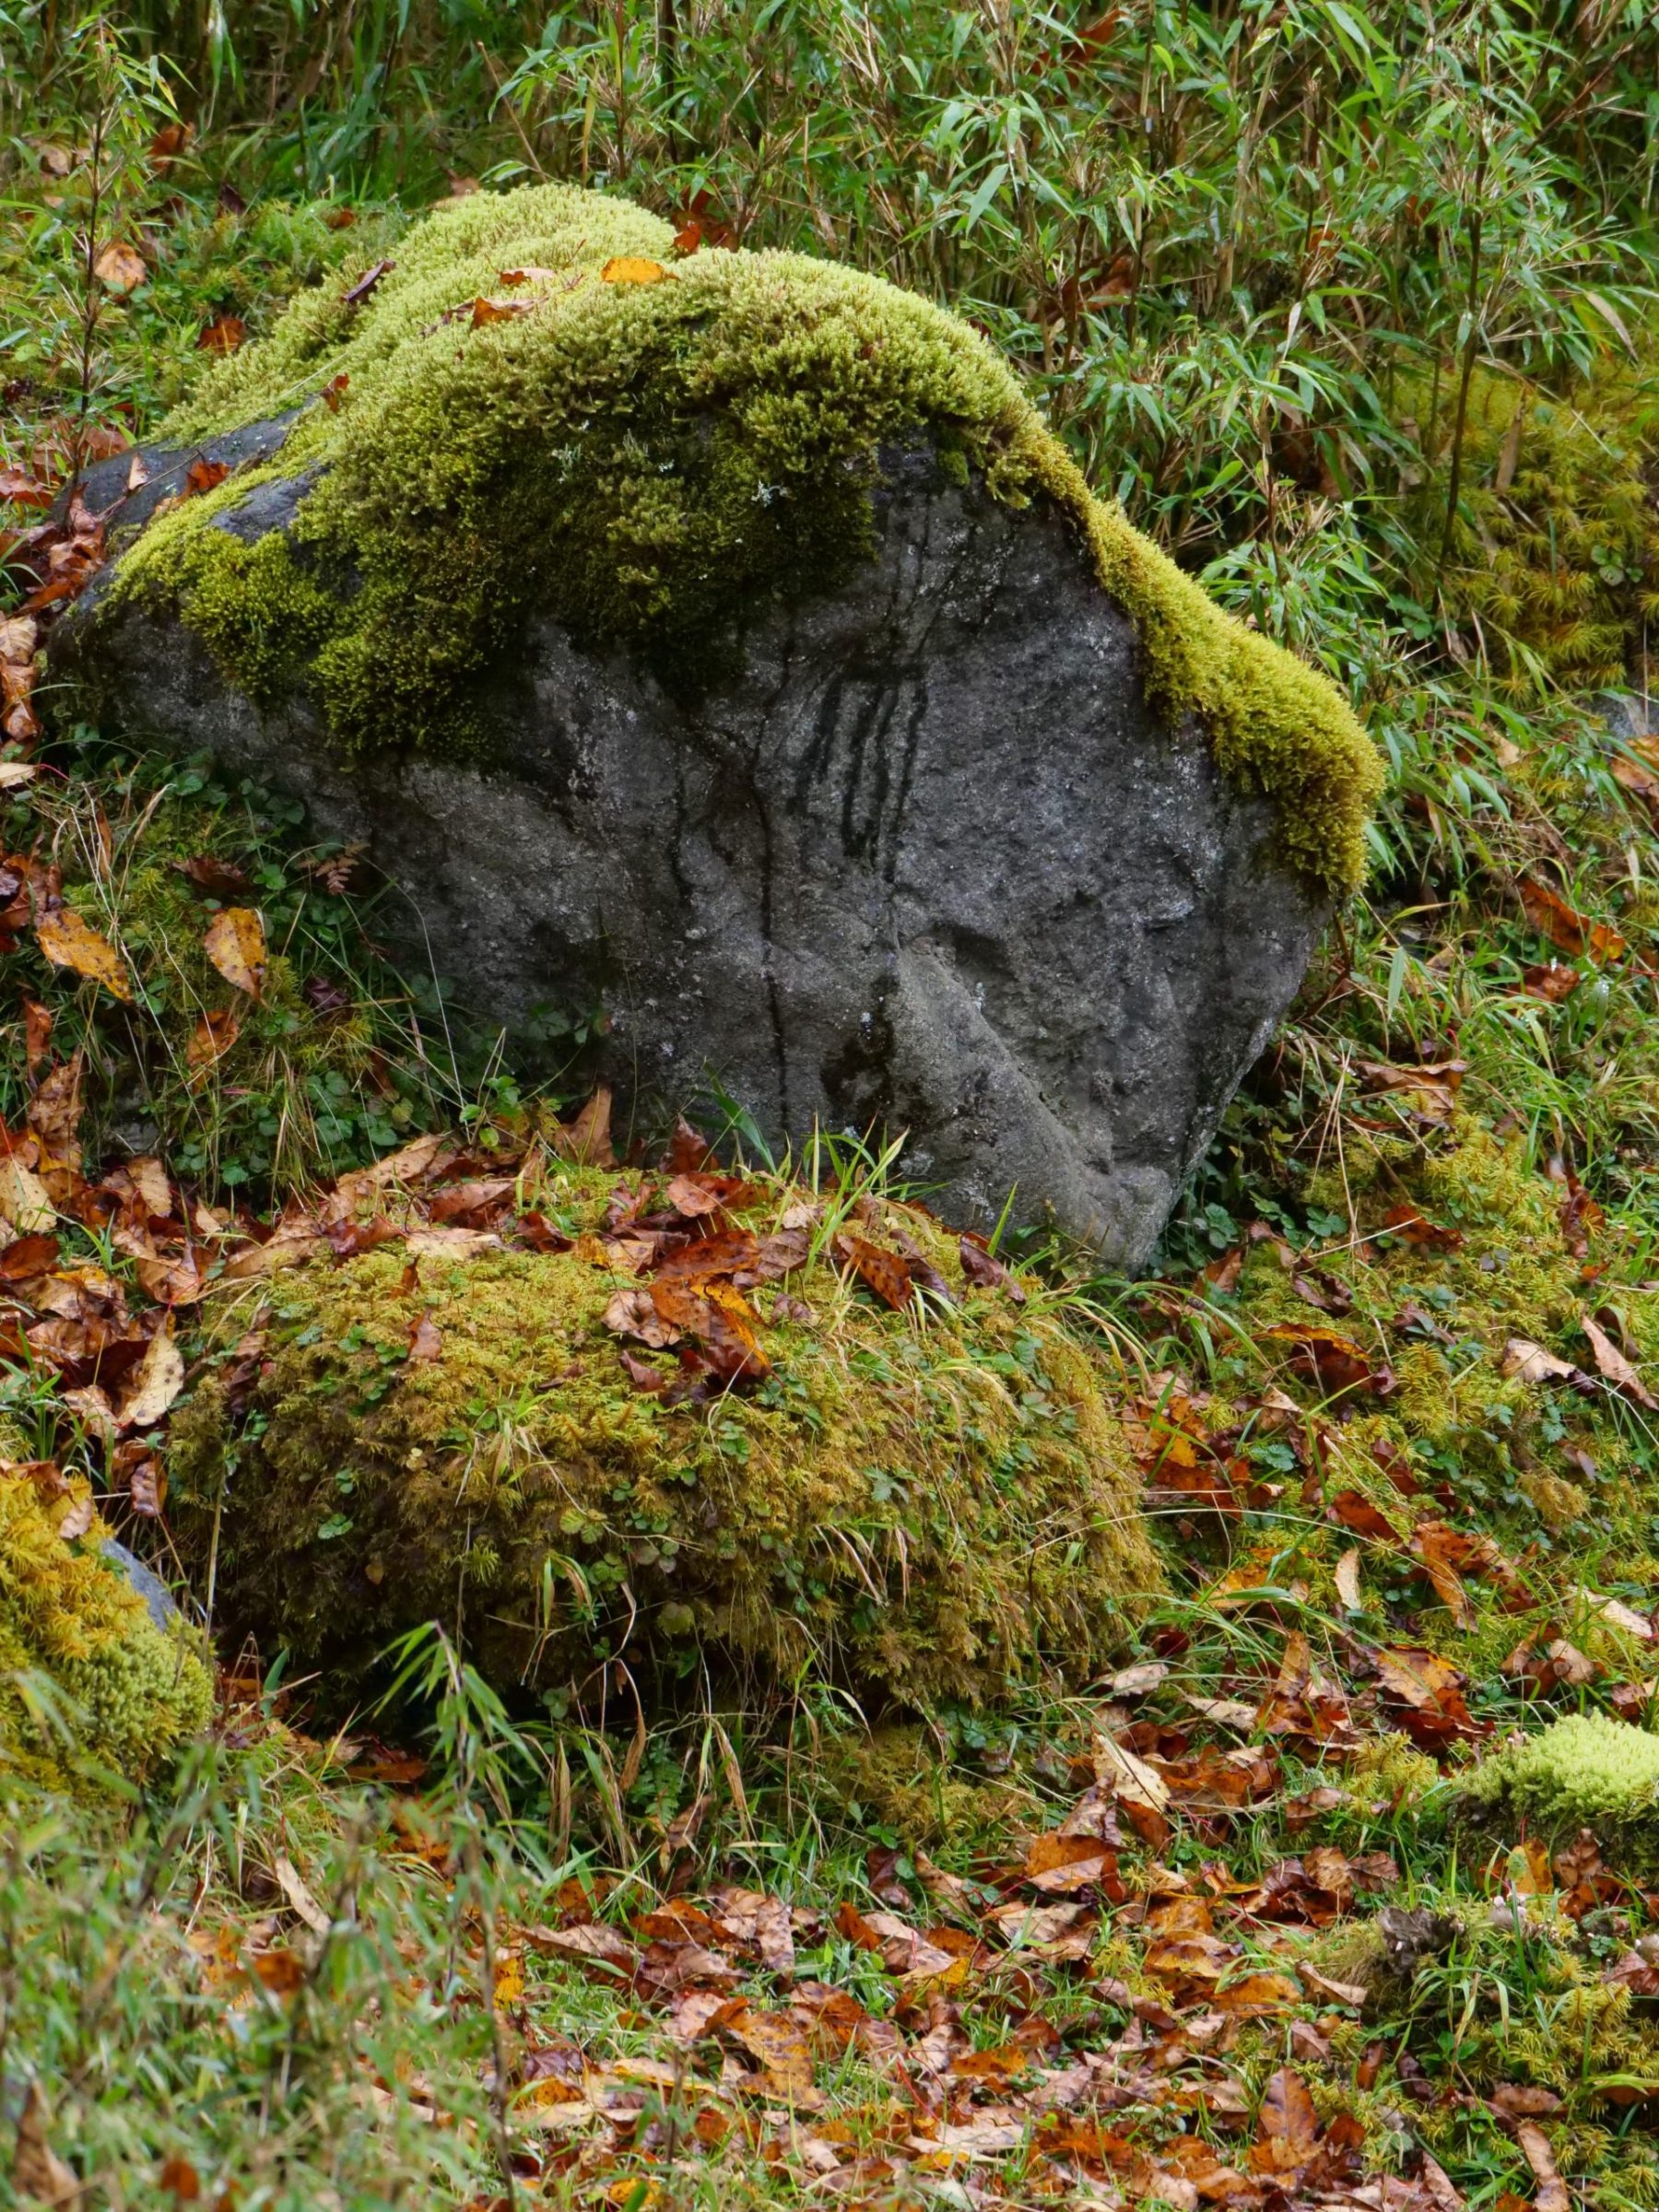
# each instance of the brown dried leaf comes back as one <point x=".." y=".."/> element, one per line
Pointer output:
<point x="120" y="268"/>
<point x="216" y="1032"/>
<point x="426" y="1340"/>
<point x="883" y="1272"/>
<point x="586" y="1141"/>
<point x="1614" y="1367"/>
<point x="985" y="1271"/>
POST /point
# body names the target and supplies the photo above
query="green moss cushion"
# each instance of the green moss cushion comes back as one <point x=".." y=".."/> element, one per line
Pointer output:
<point x="129" y="1693"/>
<point x="537" y="409"/>
<point x="924" y="1505"/>
<point x="1583" y="1771"/>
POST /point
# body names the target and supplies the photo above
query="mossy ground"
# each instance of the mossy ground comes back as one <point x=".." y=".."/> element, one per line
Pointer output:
<point x="652" y="463"/>
<point x="929" y="1505"/>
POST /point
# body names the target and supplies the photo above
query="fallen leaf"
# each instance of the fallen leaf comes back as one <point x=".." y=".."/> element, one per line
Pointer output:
<point x="634" y="268"/>
<point x="1552" y="917"/>
<point x="1428" y="1090"/>
<point x="1334" y="1363"/>
<point x="38" y="2174"/>
<point x="1347" y="1581"/>
<point x="69" y="942"/>
<point x="120" y="268"/>
<point x="1612" y="1365"/>
<point x="883" y="1272"/>
<point x="586" y="1141"/>
<point x="1552" y="2191"/>
<point x="77" y="1520"/>
<point x="218" y="878"/>
<point x="1287" y="2124"/>
<point x="985" y="1271"/>
<point x="25" y="1207"/>
<point x="235" y="943"/>
<point x="1531" y="1363"/>
<point x="180" y="2179"/>
<point x="356" y="293"/>
<point x="1552" y="982"/>
<point x="223" y="334"/>
<point x="149" y="1389"/>
<point x="498" y="311"/>
<point x="426" y="1340"/>
<point x="146" y="1489"/>
<point x="1624" y="1616"/>
<point x="216" y="1032"/>
<point x="204" y="476"/>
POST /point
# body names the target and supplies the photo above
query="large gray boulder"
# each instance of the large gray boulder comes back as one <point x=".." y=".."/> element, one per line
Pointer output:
<point x="959" y="834"/>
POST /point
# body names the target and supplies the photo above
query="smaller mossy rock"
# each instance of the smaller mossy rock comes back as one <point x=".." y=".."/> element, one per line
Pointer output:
<point x="131" y="1691"/>
<point x="923" y="1506"/>
<point x="1583" y="1771"/>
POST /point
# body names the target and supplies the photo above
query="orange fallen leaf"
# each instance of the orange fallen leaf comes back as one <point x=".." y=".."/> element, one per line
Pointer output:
<point x="1552" y="917"/>
<point x="204" y="476"/>
<point x="223" y="334"/>
<point x="212" y="1038"/>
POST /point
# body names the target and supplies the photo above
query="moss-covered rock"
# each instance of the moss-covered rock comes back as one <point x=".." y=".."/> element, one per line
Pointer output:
<point x="1583" y="1771"/>
<point x="535" y="407"/>
<point x="924" y="1505"/>
<point x="128" y="1693"/>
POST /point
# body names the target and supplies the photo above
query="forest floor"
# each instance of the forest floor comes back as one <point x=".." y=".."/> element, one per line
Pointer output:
<point x="1226" y="1928"/>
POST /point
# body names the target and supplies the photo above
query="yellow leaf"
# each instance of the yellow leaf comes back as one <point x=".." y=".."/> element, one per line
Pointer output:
<point x="235" y="943"/>
<point x="68" y="942"/>
<point x="632" y="269"/>
<point x="26" y="1209"/>
<point x="153" y="1384"/>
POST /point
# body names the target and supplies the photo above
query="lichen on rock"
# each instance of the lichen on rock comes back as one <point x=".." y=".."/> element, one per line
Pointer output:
<point x="129" y="1693"/>
<point x="923" y="1506"/>
<point x="501" y="429"/>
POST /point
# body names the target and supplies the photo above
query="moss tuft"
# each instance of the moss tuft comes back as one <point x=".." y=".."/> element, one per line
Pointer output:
<point x="1585" y="1770"/>
<point x="1555" y="548"/>
<point x="932" y="1509"/>
<point x="651" y="465"/>
<point x="132" y="1692"/>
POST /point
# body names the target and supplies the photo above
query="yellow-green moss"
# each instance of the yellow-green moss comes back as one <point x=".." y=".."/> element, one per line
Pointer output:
<point x="1554" y="570"/>
<point x="1583" y="1771"/>
<point x="132" y="1692"/>
<point x="651" y="464"/>
<point x="928" y="1508"/>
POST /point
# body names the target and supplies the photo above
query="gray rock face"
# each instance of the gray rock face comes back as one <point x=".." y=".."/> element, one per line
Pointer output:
<point x="932" y="865"/>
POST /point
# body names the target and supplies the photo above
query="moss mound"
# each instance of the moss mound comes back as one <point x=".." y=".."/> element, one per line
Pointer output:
<point x="1585" y="1770"/>
<point x="533" y="411"/>
<point x="928" y="1504"/>
<point x="130" y="1692"/>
